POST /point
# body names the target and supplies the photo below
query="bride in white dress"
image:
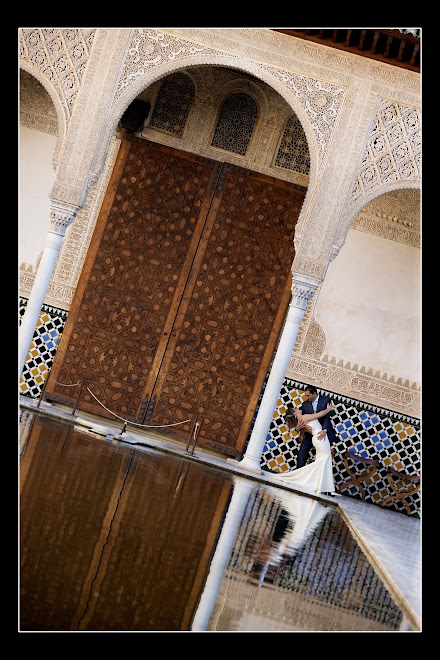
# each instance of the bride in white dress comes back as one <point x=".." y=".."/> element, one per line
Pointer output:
<point x="316" y="477"/>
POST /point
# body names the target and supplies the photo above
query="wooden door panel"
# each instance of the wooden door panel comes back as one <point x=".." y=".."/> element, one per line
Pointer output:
<point x="233" y="310"/>
<point x="182" y="296"/>
<point x="119" y="324"/>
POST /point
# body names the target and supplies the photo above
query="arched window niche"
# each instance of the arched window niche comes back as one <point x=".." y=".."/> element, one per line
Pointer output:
<point x="236" y="124"/>
<point x="173" y="104"/>
<point x="293" y="152"/>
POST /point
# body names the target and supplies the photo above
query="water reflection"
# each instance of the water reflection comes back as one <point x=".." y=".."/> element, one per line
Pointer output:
<point x="296" y="520"/>
<point x="121" y="538"/>
<point x="294" y="565"/>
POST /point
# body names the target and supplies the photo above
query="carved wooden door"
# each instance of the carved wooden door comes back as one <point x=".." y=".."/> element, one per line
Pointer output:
<point x="182" y="296"/>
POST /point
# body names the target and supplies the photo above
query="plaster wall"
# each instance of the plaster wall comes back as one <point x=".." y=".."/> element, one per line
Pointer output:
<point x="369" y="305"/>
<point x="36" y="180"/>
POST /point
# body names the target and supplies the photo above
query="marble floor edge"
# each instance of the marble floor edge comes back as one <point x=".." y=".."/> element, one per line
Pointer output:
<point x="391" y="566"/>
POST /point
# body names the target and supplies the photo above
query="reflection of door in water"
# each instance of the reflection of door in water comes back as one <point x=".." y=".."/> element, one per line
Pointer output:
<point x="183" y="294"/>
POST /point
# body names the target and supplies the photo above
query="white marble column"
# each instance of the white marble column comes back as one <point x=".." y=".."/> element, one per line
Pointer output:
<point x="60" y="220"/>
<point x="303" y="289"/>
<point x="237" y="506"/>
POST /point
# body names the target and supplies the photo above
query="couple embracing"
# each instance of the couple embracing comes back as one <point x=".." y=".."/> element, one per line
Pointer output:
<point x="312" y="421"/>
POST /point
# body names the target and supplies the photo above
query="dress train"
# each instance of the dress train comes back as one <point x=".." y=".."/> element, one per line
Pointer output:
<point x="316" y="477"/>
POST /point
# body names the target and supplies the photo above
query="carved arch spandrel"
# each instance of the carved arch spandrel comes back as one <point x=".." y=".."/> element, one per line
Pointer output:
<point x="390" y="160"/>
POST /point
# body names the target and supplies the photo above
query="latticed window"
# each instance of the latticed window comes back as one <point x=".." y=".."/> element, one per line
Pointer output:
<point x="293" y="153"/>
<point x="173" y="104"/>
<point x="236" y="124"/>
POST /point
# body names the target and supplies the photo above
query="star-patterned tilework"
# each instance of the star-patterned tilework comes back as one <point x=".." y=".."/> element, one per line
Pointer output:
<point x="362" y="428"/>
<point x="43" y="347"/>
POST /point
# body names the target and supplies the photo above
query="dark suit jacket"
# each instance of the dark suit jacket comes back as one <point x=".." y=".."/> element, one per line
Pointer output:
<point x="325" y="422"/>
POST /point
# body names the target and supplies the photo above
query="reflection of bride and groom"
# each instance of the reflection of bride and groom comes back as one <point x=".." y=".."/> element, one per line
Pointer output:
<point x="298" y="518"/>
<point x="312" y="421"/>
<point x="297" y="521"/>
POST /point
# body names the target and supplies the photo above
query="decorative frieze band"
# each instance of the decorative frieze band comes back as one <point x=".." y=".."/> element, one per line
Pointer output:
<point x="393" y="232"/>
<point x="40" y="123"/>
<point x="56" y="295"/>
<point x="350" y="380"/>
<point x="351" y="400"/>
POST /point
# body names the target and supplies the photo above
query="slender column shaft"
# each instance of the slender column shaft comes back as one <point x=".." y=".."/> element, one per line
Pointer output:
<point x="222" y="554"/>
<point x="61" y="218"/>
<point x="303" y="288"/>
<point x="35" y="303"/>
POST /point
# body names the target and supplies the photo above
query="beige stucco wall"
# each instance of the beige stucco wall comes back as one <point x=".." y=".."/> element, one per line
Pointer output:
<point x="35" y="181"/>
<point x="369" y="305"/>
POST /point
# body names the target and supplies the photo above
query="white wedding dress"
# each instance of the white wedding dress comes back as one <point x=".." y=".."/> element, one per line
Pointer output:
<point x="315" y="477"/>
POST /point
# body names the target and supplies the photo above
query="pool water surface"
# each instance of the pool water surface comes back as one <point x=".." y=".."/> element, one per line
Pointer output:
<point x="121" y="538"/>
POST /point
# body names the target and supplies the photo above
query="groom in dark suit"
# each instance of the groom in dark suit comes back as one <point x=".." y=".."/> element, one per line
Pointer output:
<point x="314" y="403"/>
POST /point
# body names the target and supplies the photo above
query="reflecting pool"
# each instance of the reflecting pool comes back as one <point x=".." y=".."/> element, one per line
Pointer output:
<point x="121" y="538"/>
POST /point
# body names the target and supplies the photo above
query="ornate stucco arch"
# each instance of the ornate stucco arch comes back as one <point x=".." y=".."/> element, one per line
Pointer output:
<point x="141" y="56"/>
<point x="57" y="57"/>
<point x="58" y="105"/>
<point x="390" y="160"/>
<point x="350" y="215"/>
<point x="127" y="91"/>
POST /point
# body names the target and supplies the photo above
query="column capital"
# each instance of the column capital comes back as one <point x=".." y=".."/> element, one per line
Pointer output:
<point x="303" y="289"/>
<point x="61" y="216"/>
